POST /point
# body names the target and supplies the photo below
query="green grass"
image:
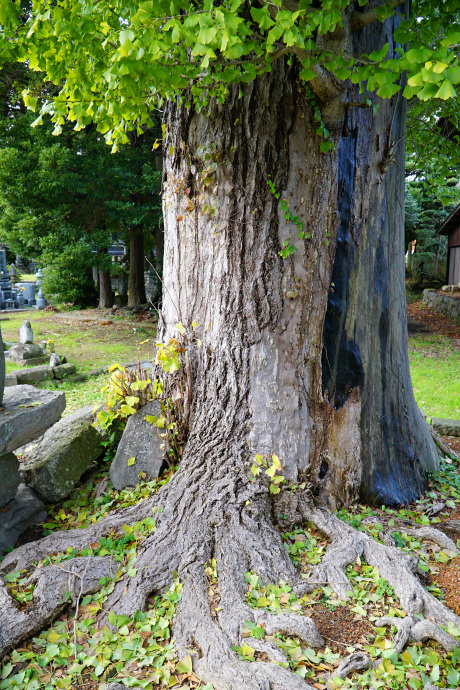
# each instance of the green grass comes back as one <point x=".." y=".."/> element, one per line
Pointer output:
<point x="435" y="366"/>
<point x="27" y="278"/>
<point x="11" y="366"/>
<point x="87" y="343"/>
<point x="79" y="394"/>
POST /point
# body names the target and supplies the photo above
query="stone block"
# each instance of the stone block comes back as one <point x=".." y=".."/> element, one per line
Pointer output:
<point x="446" y="427"/>
<point x="140" y="441"/>
<point x="25" y="351"/>
<point x="11" y="380"/>
<point x="64" y="370"/>
<point x="10" y="477"/>
<point x="27" y="413"/>
<point x="22" y="512"/>
<point x="66" y="451"/>
<point x="36" y="361"/>
<point x="34" y="374"/>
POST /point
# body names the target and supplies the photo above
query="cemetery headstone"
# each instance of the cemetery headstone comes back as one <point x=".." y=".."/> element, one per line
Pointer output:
<point x="5" y="284"/>
<point x="25" y="333"/>
<point x="2" y="368"/>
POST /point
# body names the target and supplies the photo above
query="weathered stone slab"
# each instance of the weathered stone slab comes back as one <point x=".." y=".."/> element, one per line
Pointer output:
<point x="21" y="513"/>
<point x="35" y="374"/>
<point x="29" y="362"/>
<point x="140" y="441"/>
<point x="25" y="351"/>
<point x="446" y="427"/>
<point x="27" y="413"/>
<point x="11" y="380"/>
<point x="66" y="451"/>
<point x="9" y="477"/>
<point x="64" y="370"/>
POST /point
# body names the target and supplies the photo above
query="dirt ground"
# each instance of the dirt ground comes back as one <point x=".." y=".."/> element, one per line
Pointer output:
<point x="422" y="319"/>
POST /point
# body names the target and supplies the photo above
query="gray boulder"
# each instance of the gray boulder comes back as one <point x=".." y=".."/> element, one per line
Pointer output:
<point x="25" y="333"/>
<point x="20" y="513"/>
<point x="10" y="477"/>
<point x="446" y="427"/>
<point x="34" y="374"/>
<point x="27" y="414"/>
<point x="140" y="441"/>
<point x="66" y="451"/>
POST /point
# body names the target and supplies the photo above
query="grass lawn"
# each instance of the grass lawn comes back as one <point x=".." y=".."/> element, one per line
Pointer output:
<point x="80" y="394"/>
<point x="86" y="342"/>
<point x="435" y="370"/>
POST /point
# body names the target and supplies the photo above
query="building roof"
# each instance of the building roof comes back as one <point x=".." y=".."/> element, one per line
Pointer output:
<point x="452" y="222"/>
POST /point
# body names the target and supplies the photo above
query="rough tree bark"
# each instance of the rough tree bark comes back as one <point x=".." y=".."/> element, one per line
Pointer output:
<point x="136" y="283"/>
<point x="305" y="357"/>
<point x="322" y="333"/>
<point x="105" y="290"/>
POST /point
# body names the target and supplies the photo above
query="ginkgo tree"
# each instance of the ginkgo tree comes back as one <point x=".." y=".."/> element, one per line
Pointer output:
<point x="284" y="136"/>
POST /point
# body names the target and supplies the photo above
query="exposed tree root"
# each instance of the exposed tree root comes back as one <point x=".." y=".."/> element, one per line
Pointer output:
<point x="412" y="629"/>
<point x="419" y="532"/>
<point x="234" y="527"/>
<point x="395" y="566"/>
<point x="355" y="662"/>
<point x="77" y="577"/>
<point x="24" y="556"/>
<point x="442" y="445"/>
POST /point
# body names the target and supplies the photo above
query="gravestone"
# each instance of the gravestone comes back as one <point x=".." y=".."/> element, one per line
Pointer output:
<point x="2" y="368"/>
<point x="5" y="284"/>
<point x="140" y="452"/>
<point x="26" y="334"/>
<point x="28" y="293"/>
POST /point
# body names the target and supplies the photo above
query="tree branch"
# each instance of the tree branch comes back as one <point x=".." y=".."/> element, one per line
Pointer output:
<point x="358" y="20"/>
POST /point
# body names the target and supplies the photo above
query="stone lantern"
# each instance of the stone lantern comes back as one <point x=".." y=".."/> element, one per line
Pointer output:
<point x="13" y="275"/>
<point x="41" y="301"/>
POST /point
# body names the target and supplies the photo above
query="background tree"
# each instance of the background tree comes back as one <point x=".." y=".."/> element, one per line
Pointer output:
<point x="284" y="264"/>
<point x="63" y="197"/>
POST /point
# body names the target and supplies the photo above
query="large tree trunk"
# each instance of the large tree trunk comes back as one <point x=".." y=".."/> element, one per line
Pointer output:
<point x="136" y="284"/>
<point x="305" y="357"/>
<point x="309" y="352"/>
<point x="105" y="289"/>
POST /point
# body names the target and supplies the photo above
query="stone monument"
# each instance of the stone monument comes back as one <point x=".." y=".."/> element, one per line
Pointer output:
<point x="28" y="293"/>
<point x="41" y="301"/>
<point x="2" y="368"/>
<point x="26" y="353"/>
<point x="5" y="284"/>
<point x="26" y="334"/>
